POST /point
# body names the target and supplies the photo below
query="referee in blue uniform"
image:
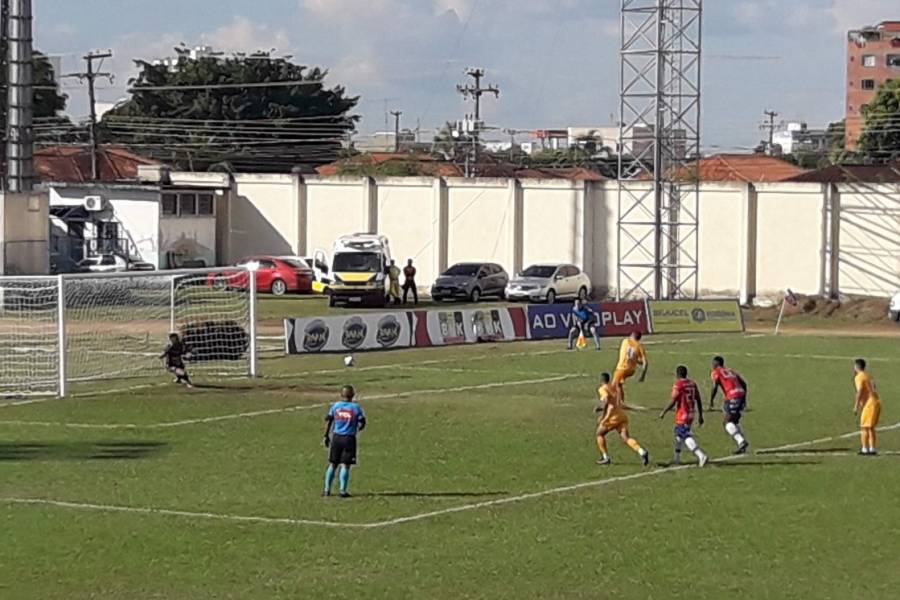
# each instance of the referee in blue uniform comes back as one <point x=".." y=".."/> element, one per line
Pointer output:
<point x="344" y="420"/>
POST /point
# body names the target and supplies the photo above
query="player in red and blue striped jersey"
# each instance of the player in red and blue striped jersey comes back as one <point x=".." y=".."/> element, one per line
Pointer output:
<point x="685" y="400"/>
<point x="734" y="387"/>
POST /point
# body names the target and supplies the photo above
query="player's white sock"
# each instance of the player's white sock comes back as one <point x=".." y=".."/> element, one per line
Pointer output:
<point x="735" y="432"/>
<point x="691" y="444"/>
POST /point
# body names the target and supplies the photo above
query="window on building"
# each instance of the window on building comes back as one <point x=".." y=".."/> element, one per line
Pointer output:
<point x="169" y="204"/>
<point x="205" y="204"/>
<point x="867" y="84"/>
<point x="868" y="60"/>
<point x="863" y="109"/>
<point x="187" y="204"/>
<point x="893" y="61"/>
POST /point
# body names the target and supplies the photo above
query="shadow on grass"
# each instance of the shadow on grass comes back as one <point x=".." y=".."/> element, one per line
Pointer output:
<point x="104" y="450"/>
<point x="429" y="494"/>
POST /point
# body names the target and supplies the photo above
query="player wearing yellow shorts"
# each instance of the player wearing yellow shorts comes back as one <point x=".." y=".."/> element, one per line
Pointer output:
<point x="868" y="402"/>
<point x="631" y="355"/>
<point x="614" y="418"/>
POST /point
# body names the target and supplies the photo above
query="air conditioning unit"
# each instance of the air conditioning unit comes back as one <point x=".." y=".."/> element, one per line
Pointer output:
<point x="95" y="203"/>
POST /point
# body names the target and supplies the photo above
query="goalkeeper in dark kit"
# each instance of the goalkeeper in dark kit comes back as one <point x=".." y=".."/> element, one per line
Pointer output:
<point x="174" y="355"/>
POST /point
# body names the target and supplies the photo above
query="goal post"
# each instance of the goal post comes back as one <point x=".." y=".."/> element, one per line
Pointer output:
<point x="84" y="328"/>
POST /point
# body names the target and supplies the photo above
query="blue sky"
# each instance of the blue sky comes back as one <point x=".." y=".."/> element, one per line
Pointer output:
<point x="554" y="60"/>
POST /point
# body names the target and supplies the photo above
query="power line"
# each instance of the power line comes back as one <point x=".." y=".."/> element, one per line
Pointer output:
<point x="222" y="86"/>
<point x="90" y="75"/>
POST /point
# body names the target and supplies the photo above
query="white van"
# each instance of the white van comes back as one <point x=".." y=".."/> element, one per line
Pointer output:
<point x="359" y="265"/>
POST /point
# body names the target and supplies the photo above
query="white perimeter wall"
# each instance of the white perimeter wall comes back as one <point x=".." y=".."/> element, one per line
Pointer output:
<point x="408" y="214"/>
<point x="869" y="239"/>
<point x="189" y="238"/>
<point x="481" y="221"/>
<point x="336" y="206"/>
<point x="263" y="216"/>
<point x="721" y="238"/>
<point x="790" y="238"/>
<point x="753" y="240"/>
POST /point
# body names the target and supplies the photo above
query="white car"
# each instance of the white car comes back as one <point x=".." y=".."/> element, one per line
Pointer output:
<point x="894" y="309"/>
<point x="111" y="263"/>
<point x="549" y="283"/>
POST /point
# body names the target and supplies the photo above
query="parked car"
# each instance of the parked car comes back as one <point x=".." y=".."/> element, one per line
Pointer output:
<point x="111" y="263"/>
<point x="549" y="283"/>
<point x="894" y="309"/>
<point x="274" y="275"/>
<point x="470" y="281"/>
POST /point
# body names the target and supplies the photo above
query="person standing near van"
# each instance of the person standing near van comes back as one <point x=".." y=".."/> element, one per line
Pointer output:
<point x="409" y="282"/>
<point x="394" y="280"/>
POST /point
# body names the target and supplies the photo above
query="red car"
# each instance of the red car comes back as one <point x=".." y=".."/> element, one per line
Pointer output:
<point x="274" y="275"/>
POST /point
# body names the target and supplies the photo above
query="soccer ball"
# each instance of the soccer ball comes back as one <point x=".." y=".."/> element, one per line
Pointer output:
<point x="348" y="361"/>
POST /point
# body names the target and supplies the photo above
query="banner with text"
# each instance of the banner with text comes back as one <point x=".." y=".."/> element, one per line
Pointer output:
<point x="685" y="316"/>
<point x="468" y="326"/>
<point x="547" y="321"/>
<point x="380" y="331"/>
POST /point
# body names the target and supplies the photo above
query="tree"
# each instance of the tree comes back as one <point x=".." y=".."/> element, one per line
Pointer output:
<point x="253" y="113"/>
<point x="880" y="140"/>
<point x="48" y="102"/>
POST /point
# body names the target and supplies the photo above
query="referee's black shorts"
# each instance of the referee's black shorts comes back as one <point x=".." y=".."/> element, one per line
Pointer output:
<point x="343" y="450"/>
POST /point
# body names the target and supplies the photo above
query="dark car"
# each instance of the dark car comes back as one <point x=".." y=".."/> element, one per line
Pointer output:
<point x="470" y="281"/>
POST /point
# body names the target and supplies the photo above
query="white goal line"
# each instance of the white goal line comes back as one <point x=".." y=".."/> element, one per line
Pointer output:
<point x="87" y="506"/>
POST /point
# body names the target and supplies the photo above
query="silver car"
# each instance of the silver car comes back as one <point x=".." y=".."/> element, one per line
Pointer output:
<point x="548" y="283"/>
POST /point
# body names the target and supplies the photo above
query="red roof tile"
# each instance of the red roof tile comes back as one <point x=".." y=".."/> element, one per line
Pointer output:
<point x="749" y="168"/>
<point x="72" y="164"/>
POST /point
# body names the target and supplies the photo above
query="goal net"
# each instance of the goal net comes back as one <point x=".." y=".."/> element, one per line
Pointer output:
<point x="116" y="325"/>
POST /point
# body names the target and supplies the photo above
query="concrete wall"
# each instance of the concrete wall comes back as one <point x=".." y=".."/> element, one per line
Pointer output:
<point x="408" y="212"/>
<point x="722" y="222"/>
<point x="264" y="216"/>
<point x="336" y="206"/>
<point x="869" y="239"/>
<point x="481" y="221"/>
<point x="24" y="234"/>
<point x="189" y="238"/>
<point x="752" y="240"/>
<point x="790" y="238"/>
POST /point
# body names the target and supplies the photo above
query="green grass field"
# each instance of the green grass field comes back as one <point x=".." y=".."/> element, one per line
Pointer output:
<point x="476" y="480"/>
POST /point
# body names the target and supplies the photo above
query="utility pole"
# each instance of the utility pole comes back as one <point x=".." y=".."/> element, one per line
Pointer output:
<point x="396" y="114"/>
<point x="770" y="127"/>
<point x="91" y="75"/>
<point x="476" y="92"/>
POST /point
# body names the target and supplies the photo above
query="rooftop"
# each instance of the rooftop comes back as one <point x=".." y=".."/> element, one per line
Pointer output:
<point x="747" y="168"/>
<point x="889" y="173"/>
<point x="72" y="164"/>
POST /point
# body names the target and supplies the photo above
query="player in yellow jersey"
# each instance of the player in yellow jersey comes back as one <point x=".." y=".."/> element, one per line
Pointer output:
<point x="631" y="355"/>
<point x="868" y="402"/>
<point x="614" y="418"/>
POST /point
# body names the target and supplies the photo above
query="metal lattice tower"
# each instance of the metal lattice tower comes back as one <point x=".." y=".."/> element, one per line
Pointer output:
<point x="659" y="119"/>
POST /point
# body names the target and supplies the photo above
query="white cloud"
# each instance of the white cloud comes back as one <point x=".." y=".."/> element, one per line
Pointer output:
<point x="244" y="35"/>
<point x="853" y="14"/>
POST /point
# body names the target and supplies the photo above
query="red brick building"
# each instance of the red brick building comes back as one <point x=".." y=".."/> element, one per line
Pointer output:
<point x="873" y="57"/>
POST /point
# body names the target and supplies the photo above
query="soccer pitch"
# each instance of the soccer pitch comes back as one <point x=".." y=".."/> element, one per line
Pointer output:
<point x="476" y="479"/>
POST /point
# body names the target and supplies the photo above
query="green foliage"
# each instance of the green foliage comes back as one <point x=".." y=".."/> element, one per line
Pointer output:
<point x="257" y="128"/>
<point x="880" y="140"/>
<point x="392" y="168"/>
<point x="48" y="102"/>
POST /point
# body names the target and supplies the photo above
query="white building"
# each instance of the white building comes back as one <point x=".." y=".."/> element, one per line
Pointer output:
<point x="797" y="137"/>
